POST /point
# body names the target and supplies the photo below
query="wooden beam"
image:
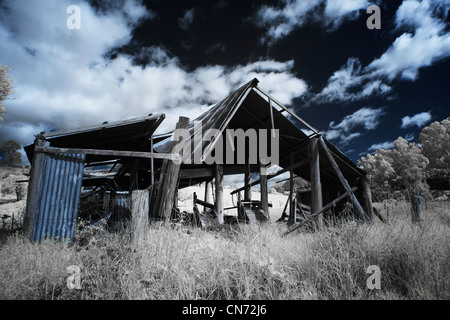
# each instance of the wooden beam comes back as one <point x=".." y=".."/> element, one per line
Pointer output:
<point x="197" y="173"/>
<point x="367" y="196"/>
<point x="134" y="175"/>
<point x="33" y="188"/>
<point x="316" y="186"/>
<point x="191" y="173"/>
<point x="247" y="182"/>
<point x="344" y="182"/>
<point x="114" y="153"/>
<point x="291" y="191"/>
<point x="255" y="116"/>
<point x="207" y="194"/>
<point x="271" y="116"/>
<point x="170" y="175"/>
<point x="283" y="214"/>
<point x="276" y="174"/>
<point x="139" y="217"/>
<point x="219" y="193"/>
<point x="203" y="203"/>
<point x="264" y="191"/>
<point x="289" y="111"/>
<point x="152" y="162"/>
<point x="325" y="208"/>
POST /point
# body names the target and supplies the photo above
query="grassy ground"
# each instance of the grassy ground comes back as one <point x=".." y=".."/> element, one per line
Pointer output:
<point x="245" y="262"/>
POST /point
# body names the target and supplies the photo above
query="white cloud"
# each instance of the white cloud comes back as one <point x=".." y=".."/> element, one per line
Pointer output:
<point x="63" y="79"/>
<point x="426" y="42"/>
<point x="429" y="42"/>
<point x="336" y="11"/>
<point x="295" y="13"/>
<point x="350" y="84"/>
<point x="417" y="120"/>
<point x="366" y="118"/>
<point x="382" y="145"/>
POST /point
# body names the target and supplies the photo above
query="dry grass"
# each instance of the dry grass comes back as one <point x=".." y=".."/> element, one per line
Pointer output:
<point x="244" y="262"/>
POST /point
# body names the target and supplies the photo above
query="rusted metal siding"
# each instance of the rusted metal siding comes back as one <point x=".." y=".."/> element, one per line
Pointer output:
<point x="59" y="194"/>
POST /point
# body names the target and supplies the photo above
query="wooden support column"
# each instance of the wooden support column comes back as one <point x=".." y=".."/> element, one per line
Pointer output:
<point x="316" y="186"/>
<point x="207" y="195"/>
<point x="139" y="216"/>
<point x="291" y="191"/>
<point x="152" y="162"/>
<point x="33" y="188"/>
<point x="219" y="192"/>
<point x="264" y="191"/>
<point x="367" y="196"/>
<point x="169" y="175"/>
<point x="134" y="182"/>
<point x="247" y="182"/>
<point x="344" y="182"/>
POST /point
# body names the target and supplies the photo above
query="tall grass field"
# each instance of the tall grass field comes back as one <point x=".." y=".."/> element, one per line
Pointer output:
<point x="239" y="262"/>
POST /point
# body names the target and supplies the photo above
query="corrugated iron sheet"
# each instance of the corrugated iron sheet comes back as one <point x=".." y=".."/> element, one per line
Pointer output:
<point x="59" y="194"/>
<point x="127" y="135"/>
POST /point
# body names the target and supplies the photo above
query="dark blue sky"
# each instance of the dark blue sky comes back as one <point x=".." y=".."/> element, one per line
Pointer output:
<point x="362" y="88"/>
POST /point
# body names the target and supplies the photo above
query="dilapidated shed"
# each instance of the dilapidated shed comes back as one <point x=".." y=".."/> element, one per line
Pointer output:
<point x="136" y="159"/>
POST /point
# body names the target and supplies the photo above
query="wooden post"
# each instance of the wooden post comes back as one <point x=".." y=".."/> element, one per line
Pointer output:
<point x="264" y="192"/>
<point x="316" y="186"/>
<point x="175" y="199"/>
<point x="219" y="192"/>
<point x="207" y="195"/>
<point x="344" y="182"/>
<point x="139" y="216"/>
<point x="168" y="179"/>
<point x="33" y="188"/>
<point x="152" y="162"/>
<point x="247" y="181"/>
<point x="291" y="191"/>
<point x="134" y="176"/>
<point x="367" y="196"/>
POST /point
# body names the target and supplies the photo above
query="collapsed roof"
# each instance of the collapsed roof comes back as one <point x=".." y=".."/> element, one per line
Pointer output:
<point x="249" y="107"/>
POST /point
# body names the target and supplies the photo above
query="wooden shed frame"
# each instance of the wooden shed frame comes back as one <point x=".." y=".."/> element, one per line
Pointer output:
<point x="148" y="162"/>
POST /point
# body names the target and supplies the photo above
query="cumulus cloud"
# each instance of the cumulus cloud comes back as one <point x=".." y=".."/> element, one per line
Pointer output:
<point x="418" y="120"/>
<point x="349" y="83"/>
<point x="280" y="21"/>
<point x="382" y="145"/>
<point x="63" y="79"/>
<point x="426" y="41"/>
<point x="411" y="51"/>
<point x="364" y="118"/>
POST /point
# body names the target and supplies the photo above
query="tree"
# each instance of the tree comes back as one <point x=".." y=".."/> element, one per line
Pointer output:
<point x="401" y="171"/>
<point x="410" y="164"/>
<point x="6" y="88"/>
<point x="10" y="154"/>
<point x="382" y="174"/>
<point x="435" y="140"/>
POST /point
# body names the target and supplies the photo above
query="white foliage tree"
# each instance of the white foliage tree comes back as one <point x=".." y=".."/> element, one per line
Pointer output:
<point x="6" y="87"/>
